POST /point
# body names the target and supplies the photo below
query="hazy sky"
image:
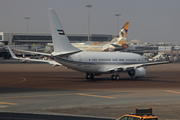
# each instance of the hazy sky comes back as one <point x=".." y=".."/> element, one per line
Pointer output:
<point x="151" y="21"/>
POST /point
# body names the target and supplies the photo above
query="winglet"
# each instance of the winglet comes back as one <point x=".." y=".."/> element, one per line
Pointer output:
<point x="11" y="52"/>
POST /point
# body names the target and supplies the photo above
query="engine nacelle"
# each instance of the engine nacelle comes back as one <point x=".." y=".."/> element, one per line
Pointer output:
<point x="139" y="72"/>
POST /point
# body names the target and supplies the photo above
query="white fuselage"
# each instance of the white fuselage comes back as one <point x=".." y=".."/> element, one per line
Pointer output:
<point x="98" y="62"/>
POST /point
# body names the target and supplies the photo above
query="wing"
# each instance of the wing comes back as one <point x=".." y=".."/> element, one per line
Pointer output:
<point x="133" y="66"/>
<point x="52" y="62"/>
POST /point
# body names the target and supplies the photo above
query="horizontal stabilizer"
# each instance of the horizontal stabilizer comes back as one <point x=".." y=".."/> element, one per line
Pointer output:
<point x="46" y="54"/>
<point x="64" y="53"/>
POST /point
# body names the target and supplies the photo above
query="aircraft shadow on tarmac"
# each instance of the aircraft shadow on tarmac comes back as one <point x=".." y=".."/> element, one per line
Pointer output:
<point x="145" y="79"/>
<point x="106" y="79"/>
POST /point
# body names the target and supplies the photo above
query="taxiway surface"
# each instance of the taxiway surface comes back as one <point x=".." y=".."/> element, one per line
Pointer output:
<point x="40" y="88"/>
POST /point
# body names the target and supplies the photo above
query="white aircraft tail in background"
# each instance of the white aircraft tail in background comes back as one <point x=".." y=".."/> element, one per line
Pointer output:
<point x="123" y="33"/>
<point x="118" y="43"/>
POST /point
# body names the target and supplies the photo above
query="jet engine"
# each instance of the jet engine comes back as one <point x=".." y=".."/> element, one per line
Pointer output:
<point x="138" y="72"/>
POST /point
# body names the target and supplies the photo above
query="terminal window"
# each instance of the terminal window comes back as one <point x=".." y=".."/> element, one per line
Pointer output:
<point x="0" y="37"/>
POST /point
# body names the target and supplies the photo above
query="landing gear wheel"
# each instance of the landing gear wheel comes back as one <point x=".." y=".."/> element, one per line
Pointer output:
<point x="87" y="75"/>
<point x="117" y="77"/>
<point x="91" y="76"/>
<point x="112" y="77"/>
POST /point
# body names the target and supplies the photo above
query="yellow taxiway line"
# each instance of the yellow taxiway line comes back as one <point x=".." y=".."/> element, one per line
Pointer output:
<point x="95" y="95"/>
<point x="83" y="94"/>
<point x="24" y="79"/>
<point x="7" y="103"/>
<point x="37" y="96"/>
<point x="172" y="91"/>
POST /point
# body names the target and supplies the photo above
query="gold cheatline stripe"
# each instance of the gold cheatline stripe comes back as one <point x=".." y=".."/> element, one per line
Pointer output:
<point x="95" y="95"/>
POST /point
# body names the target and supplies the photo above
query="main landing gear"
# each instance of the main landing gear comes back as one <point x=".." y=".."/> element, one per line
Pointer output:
<point x="115" y="77"/>
<point x="89" y="76"/>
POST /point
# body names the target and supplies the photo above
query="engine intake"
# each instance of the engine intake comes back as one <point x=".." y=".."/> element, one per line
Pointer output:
<point x="139" y="72"/>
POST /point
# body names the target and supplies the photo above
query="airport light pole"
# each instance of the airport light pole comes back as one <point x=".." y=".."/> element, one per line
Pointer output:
<point x="117" y="23"/>
<point x="27" y="22"/>
<point x="89" y="6"/>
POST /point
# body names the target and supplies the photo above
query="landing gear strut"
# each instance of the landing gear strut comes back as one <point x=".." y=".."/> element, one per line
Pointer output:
<point x="115" y="77"/>
<point x="89" y="76"/>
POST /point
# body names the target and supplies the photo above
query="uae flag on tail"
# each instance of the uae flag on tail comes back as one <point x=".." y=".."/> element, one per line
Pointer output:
<point x="61" y="32"/>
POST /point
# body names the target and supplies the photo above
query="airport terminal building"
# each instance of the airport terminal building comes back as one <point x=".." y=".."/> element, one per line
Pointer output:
<point x="44" y="38"/>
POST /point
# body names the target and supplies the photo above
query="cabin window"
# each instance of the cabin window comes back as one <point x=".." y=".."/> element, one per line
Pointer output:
<point x="131" y="60"/>
<point x="94" y="59"/>
<point x="121" y="59"/>
<point x="104" y="59"/>
<point x="114" y="59"/>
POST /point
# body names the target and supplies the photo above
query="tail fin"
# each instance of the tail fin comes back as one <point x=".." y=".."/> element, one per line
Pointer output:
<point x="61" y="43"/>
<point x="123" y="33"/>
<point x="124" y="30"/>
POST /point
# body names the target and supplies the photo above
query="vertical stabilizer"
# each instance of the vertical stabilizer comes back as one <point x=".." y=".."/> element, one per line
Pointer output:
<point x="61" y="43"/>
<point x="123" y="33"/>
<point x="124" y="30"/>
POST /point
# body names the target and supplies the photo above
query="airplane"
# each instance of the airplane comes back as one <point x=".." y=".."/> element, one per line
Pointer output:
<point x="116" y="44"/>
<point x="94" y="63"/>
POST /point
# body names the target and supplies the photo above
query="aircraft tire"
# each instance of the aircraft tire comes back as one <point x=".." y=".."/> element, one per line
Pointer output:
<point x="91" y="76"/>
<point x="87" y="76"/>
<point x="117" y="78"/>
<point x="112" y="77"/>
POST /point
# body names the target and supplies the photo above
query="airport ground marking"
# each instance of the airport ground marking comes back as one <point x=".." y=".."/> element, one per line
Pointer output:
<point x="37" y="96"/>
<point x="24" y="79"/>
<point x="7" y="103"/>
<point x="172" y="91"/>
<point x="83" y="94"/>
